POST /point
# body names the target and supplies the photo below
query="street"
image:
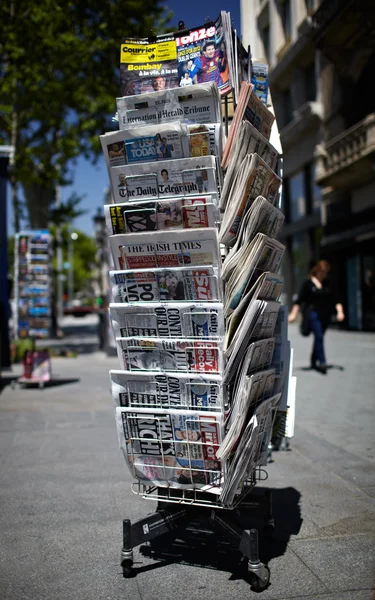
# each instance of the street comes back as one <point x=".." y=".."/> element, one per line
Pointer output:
<point x="65" y="488"/>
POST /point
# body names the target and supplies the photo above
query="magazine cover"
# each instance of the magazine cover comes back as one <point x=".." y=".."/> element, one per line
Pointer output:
<point x="161" y="285"/>
<point x="164" y="179"/>
<point x="259" y="79"/>
<point x="142" y="354"/>
<point x="164" y="390"/>
<point x="148" y="65"/>
<point x="198" y="104"/>
<point x="202" y="56"/>
<point x="190" y="247"/>
<point x="181" y="320"/>
<point x="192" y="212"/>
<point x="182" y="445"/>
<point x="145" y="144"/>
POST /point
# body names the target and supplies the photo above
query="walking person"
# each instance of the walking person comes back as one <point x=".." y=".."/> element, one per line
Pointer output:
<point x="317" y="304"/>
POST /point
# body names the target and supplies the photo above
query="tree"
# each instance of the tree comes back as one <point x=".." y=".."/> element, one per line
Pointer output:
<point x="59" y="78"/>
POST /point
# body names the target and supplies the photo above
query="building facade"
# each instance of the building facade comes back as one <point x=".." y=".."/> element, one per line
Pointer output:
<point x="321" y="56"/>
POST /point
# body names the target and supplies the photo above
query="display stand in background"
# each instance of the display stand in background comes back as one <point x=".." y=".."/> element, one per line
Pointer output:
<point x="33" y="309"/>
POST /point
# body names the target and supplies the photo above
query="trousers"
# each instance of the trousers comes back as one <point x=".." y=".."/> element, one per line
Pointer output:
<point x="318" y="329"/>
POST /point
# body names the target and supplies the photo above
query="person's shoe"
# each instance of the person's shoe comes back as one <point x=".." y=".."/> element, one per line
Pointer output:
<point x="322" y="369"/>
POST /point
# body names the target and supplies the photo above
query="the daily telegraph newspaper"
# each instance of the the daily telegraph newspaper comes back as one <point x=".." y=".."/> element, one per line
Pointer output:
<point x="193" y="56"/>
<point x="252" y="109"/>
<point x="249" y="141"/>
<point x="148" y="65"/>
<point x="153" y="354"/>
<point x="180" y="391"/>
<point x="183" y="320"/>
<point x="192" y="212"/>
<point x="164" y="285"/>
<point x="164" y="179"/>
<point x="196" y="104"/>
<point x="171" y="447"/>
<point x="254" y="178"/>
<point x="189" y="247"/>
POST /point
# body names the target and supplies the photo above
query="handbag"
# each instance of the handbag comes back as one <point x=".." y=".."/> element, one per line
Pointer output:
<point x="304" y="327"/>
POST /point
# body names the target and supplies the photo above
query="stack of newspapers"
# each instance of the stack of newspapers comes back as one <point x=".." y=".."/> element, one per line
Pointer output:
<point x="200" y="332"/>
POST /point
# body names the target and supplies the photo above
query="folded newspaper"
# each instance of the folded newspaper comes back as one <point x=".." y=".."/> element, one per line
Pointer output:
<point x="249" y="141"/>
<point x="164" y="179"/>
<point x="189" y="247"/>
<point x="192" y="212"/>
<point x="161" y="285"/>
<point x="183" y="320"/>
<point x="183" y="391"/>
<point x="174" y="448"/>
<point x="254" y="178"/>
<point x="197" y="104"/>
<point x="252" y="109"/>
<point x="196" y="356"/>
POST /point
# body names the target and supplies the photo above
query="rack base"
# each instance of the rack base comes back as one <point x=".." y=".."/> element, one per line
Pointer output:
<point x="171" y="521"/>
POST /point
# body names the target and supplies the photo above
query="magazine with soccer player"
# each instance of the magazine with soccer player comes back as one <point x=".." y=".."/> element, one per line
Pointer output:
<point x="186" y="391"/>
<point x="184" y="320"/>
<point x="192" y="212"/>
<point x="163" y="285"/>
<point x="148" y="65"/>
<point x="182" y="446"/>
<point x="196" y="104"/>
<point x="189" y="247"/>
<point x="154" y="354"/>
<point x="164" y="179"/>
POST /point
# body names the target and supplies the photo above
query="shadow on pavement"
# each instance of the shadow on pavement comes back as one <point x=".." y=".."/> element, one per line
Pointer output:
<point x="199" y="545"/>
<point x="338" y="367"/>
<point x="7" y="380"/>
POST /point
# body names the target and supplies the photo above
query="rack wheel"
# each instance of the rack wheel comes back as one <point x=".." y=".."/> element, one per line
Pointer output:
<point x="258" y="584"/>
<point x="41" y="385"/>
<point x="127" y="570"/>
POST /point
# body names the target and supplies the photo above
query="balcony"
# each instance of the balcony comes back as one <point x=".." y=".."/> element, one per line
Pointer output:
<point x="349" y="159"/>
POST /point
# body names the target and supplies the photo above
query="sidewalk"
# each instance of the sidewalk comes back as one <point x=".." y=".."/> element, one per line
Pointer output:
<point x="65" y="490"/>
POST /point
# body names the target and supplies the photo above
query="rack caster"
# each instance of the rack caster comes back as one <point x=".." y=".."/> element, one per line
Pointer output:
<point x="127" y="550"/>
<point x="258" y="573"/>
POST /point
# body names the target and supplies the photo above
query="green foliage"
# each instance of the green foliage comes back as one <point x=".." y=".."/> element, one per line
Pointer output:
<point x="59" y="77"/>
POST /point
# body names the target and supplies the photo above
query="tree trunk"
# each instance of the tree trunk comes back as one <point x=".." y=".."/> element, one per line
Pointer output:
<point x="38" y="202"/>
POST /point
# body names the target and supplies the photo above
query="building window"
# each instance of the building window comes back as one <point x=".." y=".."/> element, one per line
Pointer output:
<point x="300" y="259"/>
<point x="297" y="197"/>
<point x="285" y="19"/>
<point x="310" y="83"/>
<point x="265" y="35"/>
<point x="315" y="190"/>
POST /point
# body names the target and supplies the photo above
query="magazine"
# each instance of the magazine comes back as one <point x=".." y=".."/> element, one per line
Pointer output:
<point x="252" y="109"/>
<point x="259" y="79"/>
<point x="148" y="65"/>
<point x="197" y="104"/>
<point x="183" y="320"/>
<point x="164" y="179"/>
<point x="184" y="391"/>
<point x="190" y="247"/>
<point x="165" y="285"/>
<point x="196" y="356"/>
<point x="145" y="144"/>
<point x="254" y="178"/>
<point x="174" y="447"/>
<point x="191" y="212"/>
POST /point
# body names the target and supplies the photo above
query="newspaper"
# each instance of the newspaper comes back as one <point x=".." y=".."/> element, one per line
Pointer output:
<point x="164" y="179"/>
<point x="197" y="104"/>
<point x="183" y="283"/>
<point x="174" y="447"/>
<point x="192" y="212"/>
<point x="148" y="65"/>
<point x="253" y="389"/>
<point x="145" y="144"/>
<point x="250" y="450"/>
<point x="252" y="109"/>
<point x="204" y="54"/>
<point x="183" y="391"/>
<point x="258" y="322"/>
<point x="261" y="254"/>
<point x="183" y="320"/>
<point x="249" y="141"/>
<point x="190" y="247"/>
<point x="258" y="357"/>
<point x="254" y="178"/>
<point x="196" y="356"/>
